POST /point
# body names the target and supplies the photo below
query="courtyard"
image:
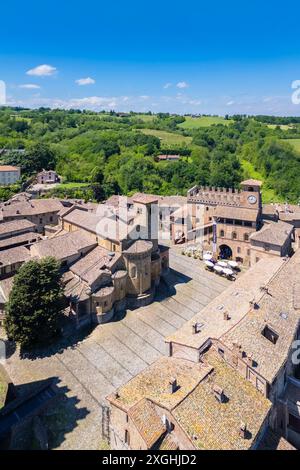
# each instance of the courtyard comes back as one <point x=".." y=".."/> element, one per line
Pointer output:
<point x="93" y="366"/>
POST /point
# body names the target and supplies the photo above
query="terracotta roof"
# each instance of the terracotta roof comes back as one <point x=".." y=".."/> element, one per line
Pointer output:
<point x="169" y="443"/>
<point x="275" y="233"/>
<point x="239" y="213"/>
<point x="9" y="168"/>
<point x="16" y="225"/>
<point x="144" y="198"/>
<point x="22" y="239"/>
<point x="83" y="219"/>
<point x="252" y="182"/>
<point x="147" y="422"/>
<point x="208" y="423"/>
<point x="139" y="246"/>
<point x="212" y="425"/>
<point x="63" y="246"/>
<point x="31" y="207"/>
<point x="279" y="309"/>
<point x="18" y="254"/>
<point x="153" y="383"/>
<point x="89" y="267"/>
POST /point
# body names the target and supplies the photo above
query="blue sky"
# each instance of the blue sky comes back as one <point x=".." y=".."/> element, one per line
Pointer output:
<point x="193" y="56"/>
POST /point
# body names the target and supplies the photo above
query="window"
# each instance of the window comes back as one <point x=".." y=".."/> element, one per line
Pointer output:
<point x="41" y="220"/>
<point x="51" y="218"/>
<point x="127" y="437"/>
<point x="246" y="237"/>
<point x="270" y="334"/>
<point x="248" y="252"/>
<point x="238" y="249"/>
<point x="221" y="352"/>
<point x="234" y="235"/>
<point x="222" y="233"/>
<point x="133" y="272"/>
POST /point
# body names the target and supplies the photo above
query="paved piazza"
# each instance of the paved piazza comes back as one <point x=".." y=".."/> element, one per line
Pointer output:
<point x="113" y="353"/>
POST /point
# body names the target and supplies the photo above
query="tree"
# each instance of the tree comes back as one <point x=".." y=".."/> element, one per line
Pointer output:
<point x="35" y="303"/>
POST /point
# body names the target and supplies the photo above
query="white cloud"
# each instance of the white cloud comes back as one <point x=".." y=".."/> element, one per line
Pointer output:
<point x="230" y="103"/>
<point x="144" y="97"/>
<point x="167" y="85"/>
<point x="182" y="85"/>
<point x="42" y="71"/>
<point x="30" y="86"/>
<point x="85" y="81"/>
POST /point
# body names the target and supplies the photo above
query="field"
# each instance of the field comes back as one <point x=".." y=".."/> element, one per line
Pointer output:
<point x="205" y="121"/>
<point x="268" y="194"/>
<point x="168" y="138"/>
<point x="284" y="127"/>
<point x="294" y="142"/>
<point x="72" y="185"/>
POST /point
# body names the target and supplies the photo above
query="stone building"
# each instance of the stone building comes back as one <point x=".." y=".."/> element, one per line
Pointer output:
<point x="110" y="257"/>
<point x="230" y="223"/>
<point x="176" y="404"/>
<point x="231" y="379"/>
<point x="47" y="177"/>
<point x="40" y="212"/>
<point x="9" y="174"/>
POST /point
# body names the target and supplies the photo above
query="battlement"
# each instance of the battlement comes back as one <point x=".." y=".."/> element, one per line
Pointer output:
<point x="215" y="196"/>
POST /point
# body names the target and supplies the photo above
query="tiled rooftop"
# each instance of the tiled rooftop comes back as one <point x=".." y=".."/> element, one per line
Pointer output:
<point x="239" y="213"/>
<point x="18" y="254"/>
<point x="212" y="425"/>
<point x="279" y="309"/>
<point x="15" y="225"/>
<point x="234" y="300"/>
<point x="275" y="233"/>
<point x="64" y="245"/>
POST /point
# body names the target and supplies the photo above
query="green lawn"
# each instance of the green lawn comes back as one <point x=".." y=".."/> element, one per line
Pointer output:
<point x="72" y="185"/>
<point x="294" y="142"/>
<point x="168" y="138"/>
<point x="205" y="121"/>
<point x="268" y="194"/>
<point x="145" y="117"/>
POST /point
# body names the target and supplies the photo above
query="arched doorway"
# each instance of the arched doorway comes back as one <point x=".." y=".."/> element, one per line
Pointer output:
<point x="225" y="252"/>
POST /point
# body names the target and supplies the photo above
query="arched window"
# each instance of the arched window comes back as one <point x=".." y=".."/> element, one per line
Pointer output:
<point x="246" y="237"/>
<point x="222" y="233"/>
<point x="234" y="235"/>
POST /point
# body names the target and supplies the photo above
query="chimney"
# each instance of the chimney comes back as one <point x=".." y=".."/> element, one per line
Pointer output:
<point x="226" y="316"/>
<point x="173" y="385"/>
<point x="243" y="430"/>
<point x="249" y="360"/>
<point x="219" y="394"/>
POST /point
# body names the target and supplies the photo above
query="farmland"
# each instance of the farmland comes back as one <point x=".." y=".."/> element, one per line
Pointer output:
<point x="168" y="138"/>
<point x="203" y="121"/>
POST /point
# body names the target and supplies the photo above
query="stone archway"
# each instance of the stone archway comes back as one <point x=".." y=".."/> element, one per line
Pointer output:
<point x="225" y="252"/>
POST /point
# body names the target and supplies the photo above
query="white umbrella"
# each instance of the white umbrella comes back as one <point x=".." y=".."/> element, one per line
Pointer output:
<point x="228" y="271"/>
<point x="209" y="264"/>
<point x="207" y="257"/>
<point x="222" y="263"/>
<point x="218" y="269"/>
<point x="233" y="264"/>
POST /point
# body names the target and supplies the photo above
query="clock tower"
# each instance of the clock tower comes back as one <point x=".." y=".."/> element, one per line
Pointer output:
<point x="251" y="194"/>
